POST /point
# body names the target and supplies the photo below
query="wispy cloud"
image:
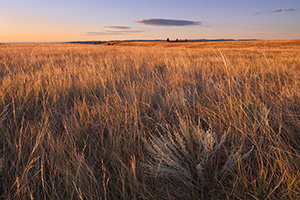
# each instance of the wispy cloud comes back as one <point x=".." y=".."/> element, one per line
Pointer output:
<point x="285" y="10"/>
<point x="117" y="27"/>
<point x="168" y="22"/>
<point x="113" y="32"/>
<point x="276" y="11"/>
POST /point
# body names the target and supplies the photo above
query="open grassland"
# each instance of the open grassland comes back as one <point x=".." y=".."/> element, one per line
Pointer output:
<point x="216" y="121"/>
<point x="255" y="45"/>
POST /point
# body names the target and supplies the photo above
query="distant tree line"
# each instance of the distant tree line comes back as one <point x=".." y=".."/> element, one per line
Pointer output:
<point x="177" y="40"/>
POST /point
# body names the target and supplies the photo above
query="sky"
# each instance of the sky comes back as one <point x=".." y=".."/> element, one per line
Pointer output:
<point x="91" y="20"/>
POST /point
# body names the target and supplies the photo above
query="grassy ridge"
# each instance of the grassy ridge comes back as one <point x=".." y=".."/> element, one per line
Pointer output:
<point x="99" y="122"/>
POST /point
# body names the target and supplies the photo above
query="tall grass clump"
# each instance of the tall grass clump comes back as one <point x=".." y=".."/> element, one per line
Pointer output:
<point x="119" y="122"/>
<point x="189" y="156"/>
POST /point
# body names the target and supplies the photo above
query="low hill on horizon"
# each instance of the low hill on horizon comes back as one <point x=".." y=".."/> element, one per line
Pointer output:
<point x="202" y="44"/>
<point x="159" y="40"/>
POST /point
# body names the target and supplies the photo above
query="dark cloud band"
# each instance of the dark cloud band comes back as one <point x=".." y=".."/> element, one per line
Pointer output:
<point x="168" y="22"/>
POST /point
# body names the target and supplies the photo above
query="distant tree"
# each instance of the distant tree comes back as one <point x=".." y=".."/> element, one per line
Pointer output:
<point x="185" y="40"/>
<point x="168" y="40"/>
<point x="177" y="40"/>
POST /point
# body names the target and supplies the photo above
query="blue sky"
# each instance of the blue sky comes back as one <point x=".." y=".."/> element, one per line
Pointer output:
<point x="58" y="20"/>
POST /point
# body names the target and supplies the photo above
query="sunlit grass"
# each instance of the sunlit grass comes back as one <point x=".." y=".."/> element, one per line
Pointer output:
<point x="120" y="122"/>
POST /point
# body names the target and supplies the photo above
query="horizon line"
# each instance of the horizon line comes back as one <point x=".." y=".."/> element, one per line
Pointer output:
<point x="136" y="40"/>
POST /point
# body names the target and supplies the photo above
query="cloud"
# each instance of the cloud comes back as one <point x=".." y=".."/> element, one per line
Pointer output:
<point x="113" y="32"/>
<point x="285" y="10"/>
<point x="276" y="11"/>
<point x="168" y="22"/>
<point x="117" y="27"/>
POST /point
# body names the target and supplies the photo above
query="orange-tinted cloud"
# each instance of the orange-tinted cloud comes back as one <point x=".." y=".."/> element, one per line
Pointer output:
<point x="113" y="32"/>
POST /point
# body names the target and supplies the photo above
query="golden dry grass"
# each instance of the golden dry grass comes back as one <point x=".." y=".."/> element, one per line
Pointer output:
<point x="259" y="44"/>
<point x="197" y="121"/>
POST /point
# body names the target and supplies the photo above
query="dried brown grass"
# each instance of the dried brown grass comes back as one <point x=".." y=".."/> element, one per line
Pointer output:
<point x="111" y="122"/>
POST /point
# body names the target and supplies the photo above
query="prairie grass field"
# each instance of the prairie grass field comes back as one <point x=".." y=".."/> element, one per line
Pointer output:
<point x="150" y="120"/>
